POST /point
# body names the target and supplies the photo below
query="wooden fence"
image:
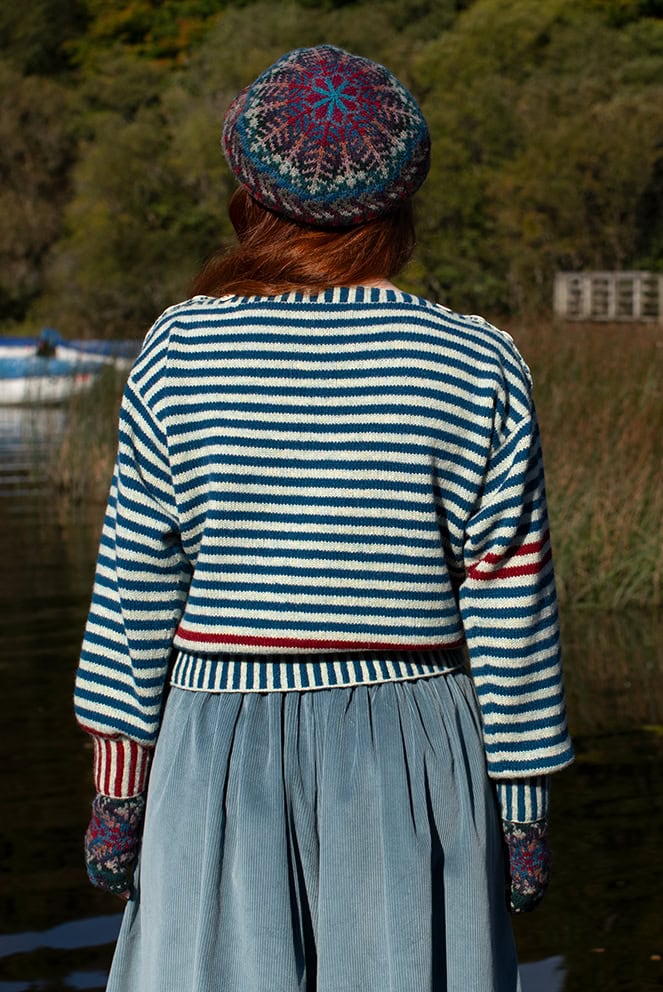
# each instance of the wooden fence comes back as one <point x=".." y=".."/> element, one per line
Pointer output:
<point x="609" y="296"/>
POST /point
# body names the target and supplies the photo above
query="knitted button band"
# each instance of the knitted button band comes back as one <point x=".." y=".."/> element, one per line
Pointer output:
<point x="327" y="138"/>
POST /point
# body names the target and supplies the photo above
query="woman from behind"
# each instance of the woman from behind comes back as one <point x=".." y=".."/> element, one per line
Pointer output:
<point x="324" y="616"/>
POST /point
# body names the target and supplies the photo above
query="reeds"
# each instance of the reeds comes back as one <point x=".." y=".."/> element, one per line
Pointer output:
<point x="599" y="398"/>
<point x="612" y="666"/>
<point x="82" y="463"/>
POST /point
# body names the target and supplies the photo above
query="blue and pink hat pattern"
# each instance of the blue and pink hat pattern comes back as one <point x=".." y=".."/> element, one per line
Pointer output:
<point x="327" y="138"/>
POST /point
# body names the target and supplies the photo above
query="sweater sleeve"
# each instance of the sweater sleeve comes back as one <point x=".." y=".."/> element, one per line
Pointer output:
<point x="141" y="583"/>
<point x="523" y="800"/>
<point x="120" y="767"/>
<point x="508" y="600"/>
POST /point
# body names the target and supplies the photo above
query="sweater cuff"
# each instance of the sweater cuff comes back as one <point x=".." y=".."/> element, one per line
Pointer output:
<point x="523" y="800"/>
<point x="120" y="766"/>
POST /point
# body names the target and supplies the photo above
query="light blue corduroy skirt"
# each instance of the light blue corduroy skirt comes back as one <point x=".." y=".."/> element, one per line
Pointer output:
<point x="338" y="840"/>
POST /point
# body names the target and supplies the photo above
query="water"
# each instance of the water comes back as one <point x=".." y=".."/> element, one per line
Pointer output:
<point x="599" y="929"/>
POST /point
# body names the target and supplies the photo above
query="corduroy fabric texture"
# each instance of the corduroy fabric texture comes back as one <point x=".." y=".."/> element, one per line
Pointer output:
<point x="335" y="840"/>
<point x="327" y="138"/>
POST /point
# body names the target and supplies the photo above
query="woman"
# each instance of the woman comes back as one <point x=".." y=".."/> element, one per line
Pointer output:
<point x="326" y="490"/>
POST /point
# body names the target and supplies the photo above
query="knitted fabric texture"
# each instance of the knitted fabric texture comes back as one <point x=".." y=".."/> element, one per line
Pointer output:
<point x="356" y="470"/>
<point x="112" y="842"/>
<point x="253" y="672"/>
<point x="529" y="864"/>
<point x="120" y="766"/>
<point x="327" y="138"/>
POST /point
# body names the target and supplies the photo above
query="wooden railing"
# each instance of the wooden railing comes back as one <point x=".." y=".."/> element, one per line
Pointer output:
<point x="609" y="296"/>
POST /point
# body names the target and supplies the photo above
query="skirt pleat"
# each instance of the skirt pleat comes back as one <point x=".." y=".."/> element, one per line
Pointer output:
<point x="338" y="840"/>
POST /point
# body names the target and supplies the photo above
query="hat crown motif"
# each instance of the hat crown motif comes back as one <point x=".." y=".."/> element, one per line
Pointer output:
<point x="327" y="137"/>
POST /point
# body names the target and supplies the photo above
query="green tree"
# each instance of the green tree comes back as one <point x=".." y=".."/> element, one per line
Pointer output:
<point x="37" y="40"/>
<point x="36" y="153"/>
<point x="545" y="123"/>
<point x="164" y="30"/>
<point x="136" y="225"/>
<point x="571" y="198"/>
<point x="151" y="184"/>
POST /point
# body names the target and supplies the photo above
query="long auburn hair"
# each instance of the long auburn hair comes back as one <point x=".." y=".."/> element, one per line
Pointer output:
<point x="277" y="255"/>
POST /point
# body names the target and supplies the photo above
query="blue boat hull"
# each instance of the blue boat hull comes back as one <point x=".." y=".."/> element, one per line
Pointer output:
<point x="43" y="380"/>
<point x="50" y="369"/>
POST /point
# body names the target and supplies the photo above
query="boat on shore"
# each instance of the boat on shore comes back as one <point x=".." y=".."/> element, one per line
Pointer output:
<point x="50" y="368"/>
<point x="32" y="379"/>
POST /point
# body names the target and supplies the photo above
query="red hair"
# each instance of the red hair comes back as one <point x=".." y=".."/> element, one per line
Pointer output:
<point x="277" y="255"/>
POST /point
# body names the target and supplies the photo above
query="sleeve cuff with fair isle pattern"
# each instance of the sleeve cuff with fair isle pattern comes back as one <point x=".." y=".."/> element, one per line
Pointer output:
<point x="523" y="800"/>
<point x="120" y="766"/>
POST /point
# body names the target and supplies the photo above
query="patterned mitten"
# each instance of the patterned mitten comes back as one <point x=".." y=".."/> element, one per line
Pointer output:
<point x="112" y="842"/>
<point x="529" y="864"/>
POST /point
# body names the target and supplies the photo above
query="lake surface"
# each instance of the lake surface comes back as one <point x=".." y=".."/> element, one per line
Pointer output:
<point x="600" y="928"/>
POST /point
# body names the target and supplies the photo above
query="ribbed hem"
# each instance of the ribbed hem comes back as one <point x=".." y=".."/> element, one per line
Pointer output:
<point x="523" y="800"/>
<point x="298" y="672"/>
<point x="120" y="766"/>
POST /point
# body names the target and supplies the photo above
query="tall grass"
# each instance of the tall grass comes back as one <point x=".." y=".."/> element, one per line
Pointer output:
<point x="613" y="664"/>
<point x="82" y="463"/>
<point x="599" y="395"/>
<point x="598" y="390"/>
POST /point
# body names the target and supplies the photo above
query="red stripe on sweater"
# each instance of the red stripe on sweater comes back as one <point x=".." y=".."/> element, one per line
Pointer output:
<point x="308" y="643"/>
<point x="525" y="549"/>
<point x="107" y="765"/>
<point x="509" y="571"/>
<point x="133" y="766"/>
<point x="113" y="758"/>
<point x="119" y="770"/>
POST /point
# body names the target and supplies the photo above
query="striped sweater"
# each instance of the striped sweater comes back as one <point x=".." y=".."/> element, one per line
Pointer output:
<point x="308" y="475"/>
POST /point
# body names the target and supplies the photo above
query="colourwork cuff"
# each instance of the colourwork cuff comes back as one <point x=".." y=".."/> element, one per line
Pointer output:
<point x="523" y="800"/>
<point x="120" y="766"/>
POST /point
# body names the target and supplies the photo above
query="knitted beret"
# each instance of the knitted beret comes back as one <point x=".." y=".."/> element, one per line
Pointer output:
<point x="327" y="138"/>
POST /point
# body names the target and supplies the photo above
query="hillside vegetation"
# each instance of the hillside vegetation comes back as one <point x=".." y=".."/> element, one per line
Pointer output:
<point x="546" y="118"/>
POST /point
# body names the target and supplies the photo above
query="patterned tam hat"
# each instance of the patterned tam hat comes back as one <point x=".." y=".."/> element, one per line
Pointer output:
<point x="327" y="138"/>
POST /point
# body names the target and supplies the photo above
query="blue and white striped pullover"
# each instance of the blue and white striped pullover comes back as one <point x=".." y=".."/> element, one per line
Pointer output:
<point x="355" y="472"/>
